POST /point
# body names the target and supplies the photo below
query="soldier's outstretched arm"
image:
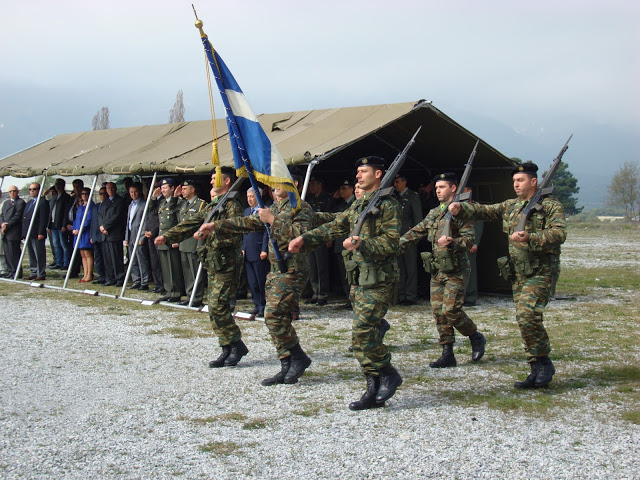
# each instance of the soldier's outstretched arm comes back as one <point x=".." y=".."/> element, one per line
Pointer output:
<point x="414" y="235"/>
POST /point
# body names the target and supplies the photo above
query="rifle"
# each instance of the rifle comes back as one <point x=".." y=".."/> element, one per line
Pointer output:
<point x="384" y="190"/>
<point x="230" y="195"/>
<point x="460" y="196"/>
<point x="543" y="190"/>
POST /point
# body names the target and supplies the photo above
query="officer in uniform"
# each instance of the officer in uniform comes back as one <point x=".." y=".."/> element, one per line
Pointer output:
<point x="372" y="272"/>
<point x="165" y="202"/>
<point x="529" y="264"/>
<point x="190" y="206"/>
<point x="282" y="289"/>
<point x="219" y="258"/>
<point x="449" y="268"/>
<point x="408" y="260"/>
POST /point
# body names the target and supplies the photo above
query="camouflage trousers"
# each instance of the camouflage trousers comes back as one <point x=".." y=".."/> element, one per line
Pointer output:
<point x="447" y="299"/>
<point x="222" y="289"/>
<point x="283" y="292"/>
<point x="370" y="305"/>
<point x="531" y="295"/>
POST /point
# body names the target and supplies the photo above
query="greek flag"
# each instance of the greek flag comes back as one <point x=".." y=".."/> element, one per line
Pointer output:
<point x="253" y="152"/>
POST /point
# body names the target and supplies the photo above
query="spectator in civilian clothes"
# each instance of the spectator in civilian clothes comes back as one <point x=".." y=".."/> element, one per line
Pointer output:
<point x="255" y="248"/>
<point x="97" y="238"/>
<point x="35" y="243"/>
<point x="11" y="228"/>
<point x="83" y="239"/>
<point x="112" y="224"/>
<point x="140" y="262"/>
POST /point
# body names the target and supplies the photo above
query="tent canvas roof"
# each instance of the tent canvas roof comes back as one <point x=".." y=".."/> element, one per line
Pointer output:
<point x="300" y="136"/>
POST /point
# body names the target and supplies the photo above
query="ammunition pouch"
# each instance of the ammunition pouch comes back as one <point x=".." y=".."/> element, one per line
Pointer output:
<point x="446" y="260"/>
<point x="351" y="268"/>
<point x="216" y="260"/>
<point x="525" y="265"/>
<point x="427" y="262"/>
<point x="505" y="270"/>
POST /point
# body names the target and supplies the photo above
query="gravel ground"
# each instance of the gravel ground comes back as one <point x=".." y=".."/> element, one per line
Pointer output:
<point x="109" y="392"/>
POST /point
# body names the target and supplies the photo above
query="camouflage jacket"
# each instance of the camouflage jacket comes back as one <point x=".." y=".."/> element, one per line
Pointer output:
<point x="547" y="227"/>
<point x="287" y="225"/>
<point x="213" y="241"/>
<point x="380" y="234"/>
<point x="432" y="226"/>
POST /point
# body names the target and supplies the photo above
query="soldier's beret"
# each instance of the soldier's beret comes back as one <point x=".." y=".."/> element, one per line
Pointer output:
<point x="189" y="183"/>
<point x="228" y="170"/>
<point x="446" y="177"/>
<point x="168" y="181"/>
<point x="371" y="161"/>
<point x="527" y="167"/>
<point x="347" y="182"/>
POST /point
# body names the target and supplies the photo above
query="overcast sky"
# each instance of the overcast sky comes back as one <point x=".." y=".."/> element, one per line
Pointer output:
<point x="528" y="64"/>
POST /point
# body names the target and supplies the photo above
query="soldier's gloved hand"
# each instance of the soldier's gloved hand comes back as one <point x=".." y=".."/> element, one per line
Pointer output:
<point x="520" y="236"/>
<point x="444" y="241"/>
<point x="454" y="208"/>
<point x="352" y="243"/>
<point x="266" y="215"/>
<point x="160" y="240"/>
<point x="296" y="244"/>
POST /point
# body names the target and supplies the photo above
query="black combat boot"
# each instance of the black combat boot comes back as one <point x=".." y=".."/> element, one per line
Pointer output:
<point x="477" y="345"/>
<point x="285" y="363"/>
<point x="219" y="362"/>
<point x="546" y="370"/>
<point x="390" y="380"/>
<point x="384" y="328"/>
<point x="446" y="359"/>
<point x="238" y="350"/>
<point x="530" y="381"/>
<point x="299" y="363"/>
<point x="368" y="399"/>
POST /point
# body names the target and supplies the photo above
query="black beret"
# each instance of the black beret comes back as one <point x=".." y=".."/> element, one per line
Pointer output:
<point x="189" y="183"/>
<point x="228" y="170"/>
<point x="370" y="161"/>
<point x="168" y="181"/>
<point x="446" y="177"/>
<point x="527" y="167"/>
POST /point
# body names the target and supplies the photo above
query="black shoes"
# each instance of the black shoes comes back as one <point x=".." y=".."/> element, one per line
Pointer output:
<point x="368" y="399"/>
<point x="143" y="287"/>
<point x="542" y="371"/>
<point x="446" y="359"/>
<point x="321" y="302"/>
<point x="311" y="301"/>
<point x="135" y="286"/>
<point x="546" y="371"/>
<point x="110" y="283"/>
<point x="184" y="303"/>
<point x="238" y="350"/>
<point x="158" y="289"/>
<point x="299" y="363"/>
<point x="390" y="380"/>
<point x="219" y="362"/>
<point x="285" y="363"/>
<point x="477" y="345"/>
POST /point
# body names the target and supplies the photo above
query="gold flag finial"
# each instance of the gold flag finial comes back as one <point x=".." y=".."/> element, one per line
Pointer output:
<point x="198" y="23"/>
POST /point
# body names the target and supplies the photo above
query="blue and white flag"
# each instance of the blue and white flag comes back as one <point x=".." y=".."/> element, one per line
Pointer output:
<point x="253" y="152"/>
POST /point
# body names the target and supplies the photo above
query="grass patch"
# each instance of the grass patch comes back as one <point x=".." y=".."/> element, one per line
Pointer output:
<point x="309" y="410"/>
<point x="184" y="331"/>
<point x="632" y="416"/>
<point x="255" y="424"/>
<point x="220" y="448"/>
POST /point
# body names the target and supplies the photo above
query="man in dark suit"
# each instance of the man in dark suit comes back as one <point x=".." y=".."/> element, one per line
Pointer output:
<point x="140" y="265"/>
<point x="97" y="239"/>
<point x="255" y="248"/>
<point x="59" y="208"/>
<point x="11" y="227"/>
<point x="112" y="225"/>
<point x="35" y="243"/>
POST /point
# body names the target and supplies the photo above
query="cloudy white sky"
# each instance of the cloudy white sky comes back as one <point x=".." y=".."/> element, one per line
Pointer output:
<point x="531" y="65"/>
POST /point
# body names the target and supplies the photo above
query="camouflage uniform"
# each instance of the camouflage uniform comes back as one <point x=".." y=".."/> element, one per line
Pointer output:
<point x="447" y="288"/>
<point x="372" y="273"/>
<point x="282" y="289"/>
<point x="218" y="256"/>
<point x="188" y="246"/>
<point x="530" y="262"/>
<point x="169" y="257"/>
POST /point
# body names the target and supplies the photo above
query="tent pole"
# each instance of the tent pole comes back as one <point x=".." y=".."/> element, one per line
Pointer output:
<point x="140" y="230"/>
<point x="310" y="167"/>
<point x="195" y="283"/>
<point x="84" y="218"/>
<point x="33" y="217"/>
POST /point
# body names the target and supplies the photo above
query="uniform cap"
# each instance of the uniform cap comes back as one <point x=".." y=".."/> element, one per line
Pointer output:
<point x="526" y="167"/>
<point x="371" y="161"/>
<point x="446" y="177"/>
<point x="168" y="181"/>
<point x="189" y="183"/>
<point x="347" y="182"/>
